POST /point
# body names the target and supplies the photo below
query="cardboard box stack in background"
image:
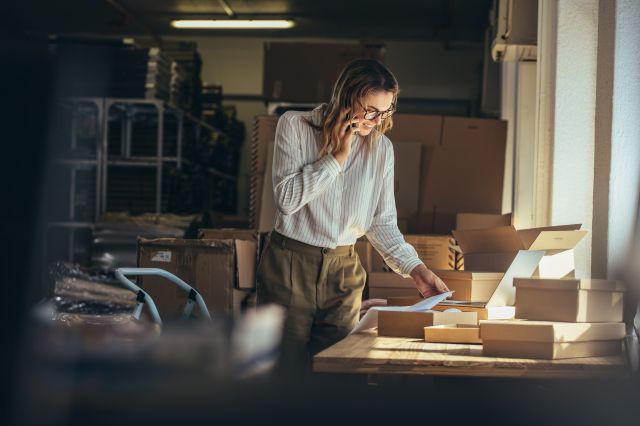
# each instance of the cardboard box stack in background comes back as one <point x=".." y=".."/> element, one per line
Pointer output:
<point x="222" y="270"/>
<point x="461" y="169"/>
<point x="311" y="76"/>
<point x="262" y="139"/>
<point x="559" y="318"/>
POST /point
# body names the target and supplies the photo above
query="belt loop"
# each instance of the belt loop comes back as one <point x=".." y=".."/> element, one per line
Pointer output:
<point x="351" y="251"/>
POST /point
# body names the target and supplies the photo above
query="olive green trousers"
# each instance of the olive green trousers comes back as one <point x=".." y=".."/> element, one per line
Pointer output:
<point x="321" y="290"/>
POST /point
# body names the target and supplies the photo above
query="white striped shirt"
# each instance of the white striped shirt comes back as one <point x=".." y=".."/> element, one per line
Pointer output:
<point x="322" y="203"/>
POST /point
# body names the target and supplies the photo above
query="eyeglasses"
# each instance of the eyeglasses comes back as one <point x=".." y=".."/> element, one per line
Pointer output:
<point x="372" y="115"/>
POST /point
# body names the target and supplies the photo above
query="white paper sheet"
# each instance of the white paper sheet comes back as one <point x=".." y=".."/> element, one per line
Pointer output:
<point x="370" y="319"/>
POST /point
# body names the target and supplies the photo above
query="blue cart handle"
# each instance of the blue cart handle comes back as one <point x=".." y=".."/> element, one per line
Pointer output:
<point x="144" y="298"/>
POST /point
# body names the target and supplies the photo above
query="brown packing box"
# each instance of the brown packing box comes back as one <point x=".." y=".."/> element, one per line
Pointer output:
<point x="306" y="72"/>
<point x="466" y="221"/>
<point x="452" y="333"/>
<point x="466" y="171"/>
<point x="390" y="292"/>
<point x="436" y="251"/>
<point x="407" y="157"/>
<point x="412" y="324"/>
<point x="470" y="286"/>
<point x="206" y="265"/>
<point x="570" y="299"/>
<point x="246" y="252"/>
<point x="493" y="250"/>
<point x="550" y="340"/>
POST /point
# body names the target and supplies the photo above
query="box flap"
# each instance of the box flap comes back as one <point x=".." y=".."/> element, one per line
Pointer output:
<point x="529" y="236"/>
<point x="544" y="331"/>
<point x="493" y="240"/>
<point x="468" y="275"/>
<point x="246" y="252"/>
<point x="569" y="284"/>
<point x="523" y="265"/>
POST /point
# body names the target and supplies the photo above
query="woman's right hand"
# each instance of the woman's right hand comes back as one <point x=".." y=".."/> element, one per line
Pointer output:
<point x="347" y="130"/>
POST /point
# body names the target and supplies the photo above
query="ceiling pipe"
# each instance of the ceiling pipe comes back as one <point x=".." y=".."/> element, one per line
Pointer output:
<point x="227" y="8"/>
<point x="122" y="9"/>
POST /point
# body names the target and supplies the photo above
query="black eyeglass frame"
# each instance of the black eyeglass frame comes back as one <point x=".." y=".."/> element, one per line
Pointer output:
<point x="389" y="112"/>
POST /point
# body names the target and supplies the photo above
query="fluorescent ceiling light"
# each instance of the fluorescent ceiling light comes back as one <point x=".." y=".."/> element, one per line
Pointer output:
<point x="232" y="24"/>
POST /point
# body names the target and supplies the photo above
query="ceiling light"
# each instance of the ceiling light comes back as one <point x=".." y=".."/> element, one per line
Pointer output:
<point x="231" y="24"/>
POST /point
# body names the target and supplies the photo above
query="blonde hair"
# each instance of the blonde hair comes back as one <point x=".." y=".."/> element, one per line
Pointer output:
<point x="358" y="79"/>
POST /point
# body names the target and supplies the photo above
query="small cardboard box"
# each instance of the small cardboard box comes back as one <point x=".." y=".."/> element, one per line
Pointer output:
<point x="470" y="286"/>
<point x="569" y="299"/>
<point x="483" y="311"/>
<point x="493" y="250"/>
<point x="550" y="340"/>
<point x="453" y="333"/>
<point x="412" y="324"/>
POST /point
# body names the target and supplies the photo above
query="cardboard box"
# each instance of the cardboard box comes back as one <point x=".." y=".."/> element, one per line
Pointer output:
<point x="493" y="250"/>
<point x="246" y="242"/>
<point x="483" y="311"/>
<point x="382" y="285"/>
<point x="436" y="251"/>
<point x="467" y="221"/>
<point x="461" y="167"/>
<point x="412" y="324"/>
<point x="407" y="157"/>
<point x="470" y="286"/>
<point x="453" y="333"/>
<point x="550" y="340"/>
<point x="209" y="266"/>
<point x="228" y="234"/>
<point x="500" y="304"/>
<point x="466" y="171"/>
<point x="306" y="72"/>
<point x="570" y="299"/>
<point x="389" y="292"/>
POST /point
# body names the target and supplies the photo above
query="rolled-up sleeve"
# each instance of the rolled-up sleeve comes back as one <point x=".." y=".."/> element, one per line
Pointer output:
<point x="384" y="234"/>
<point x="294" y="183"/>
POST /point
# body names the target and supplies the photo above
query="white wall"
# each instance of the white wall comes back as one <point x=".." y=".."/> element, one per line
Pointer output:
<point x="625" y="152"/>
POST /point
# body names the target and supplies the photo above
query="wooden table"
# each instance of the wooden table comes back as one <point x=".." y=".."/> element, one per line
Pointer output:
<point x="367" y="353"/>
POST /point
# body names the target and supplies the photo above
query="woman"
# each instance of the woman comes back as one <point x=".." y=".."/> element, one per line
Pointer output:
<point x="333" y="182"/>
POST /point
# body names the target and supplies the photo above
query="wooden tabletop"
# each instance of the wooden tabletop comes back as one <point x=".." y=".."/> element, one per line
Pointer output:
<point x="367" y="353"/>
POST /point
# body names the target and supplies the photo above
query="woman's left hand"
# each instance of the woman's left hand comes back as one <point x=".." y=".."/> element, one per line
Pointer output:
<point x="427" y="283"/>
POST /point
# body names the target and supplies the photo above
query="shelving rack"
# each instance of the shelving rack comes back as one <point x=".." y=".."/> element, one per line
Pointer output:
<point x="114" y="154"/>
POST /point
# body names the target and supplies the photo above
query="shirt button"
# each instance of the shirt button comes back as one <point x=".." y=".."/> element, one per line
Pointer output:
<point x="325" y="251"/>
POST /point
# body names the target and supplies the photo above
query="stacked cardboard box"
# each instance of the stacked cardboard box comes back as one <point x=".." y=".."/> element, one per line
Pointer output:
<point x="559" y="318"/>
<point x="262" y="139"/>
<point x="310" y="77"/>
<point x="461" y="168"/>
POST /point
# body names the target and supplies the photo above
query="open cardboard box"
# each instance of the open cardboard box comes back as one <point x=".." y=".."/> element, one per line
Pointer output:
<point x="453" y="333"/>
<point x="550" y="340"/>
<point x="500" y="304"/>
<point x="494" y="249"/>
